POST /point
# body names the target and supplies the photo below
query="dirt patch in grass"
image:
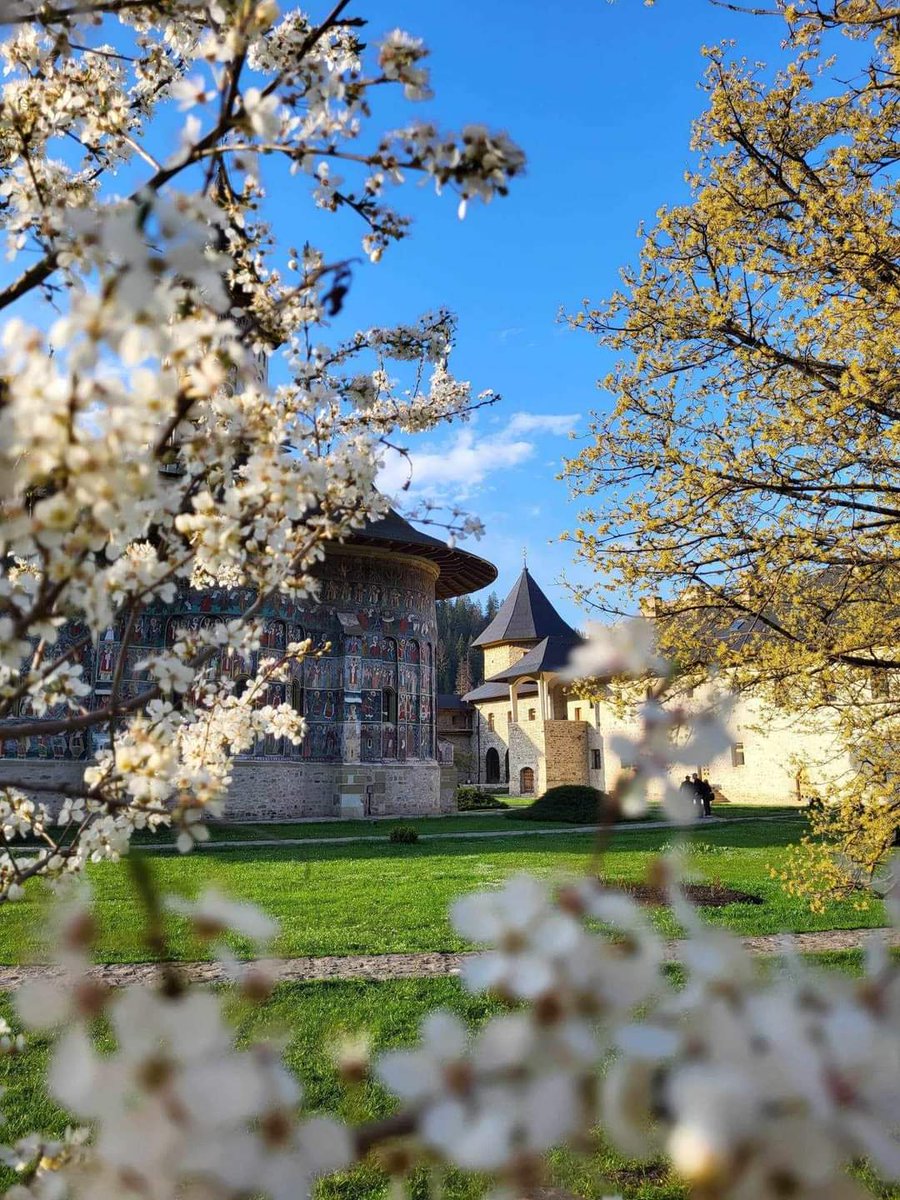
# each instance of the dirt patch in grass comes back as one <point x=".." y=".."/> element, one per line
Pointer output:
<point x="637" y="1175"/>
<point x="704" y="895"/>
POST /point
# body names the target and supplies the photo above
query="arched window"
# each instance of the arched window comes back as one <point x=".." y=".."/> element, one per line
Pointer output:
<point x="490" y="720"/>
<point x="492" y="766"/>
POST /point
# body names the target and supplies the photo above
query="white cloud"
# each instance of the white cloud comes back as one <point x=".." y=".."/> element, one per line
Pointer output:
<point x="454" y="470"/>
<point x="558" y="423"/>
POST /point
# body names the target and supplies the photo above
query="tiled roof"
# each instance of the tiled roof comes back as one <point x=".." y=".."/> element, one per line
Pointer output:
<point x="526" y="615"/>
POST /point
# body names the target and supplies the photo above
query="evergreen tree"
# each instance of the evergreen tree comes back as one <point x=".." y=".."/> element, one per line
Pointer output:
<point x="459" y="622"/>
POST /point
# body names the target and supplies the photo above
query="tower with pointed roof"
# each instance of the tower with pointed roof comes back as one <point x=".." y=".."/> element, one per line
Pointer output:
<point x="529" y="732"/>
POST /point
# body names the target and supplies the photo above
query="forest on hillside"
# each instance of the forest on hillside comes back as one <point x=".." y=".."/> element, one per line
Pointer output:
<point x="459" y="622"/>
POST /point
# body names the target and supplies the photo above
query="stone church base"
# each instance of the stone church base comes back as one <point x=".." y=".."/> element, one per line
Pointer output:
<point x="267" y="790"/>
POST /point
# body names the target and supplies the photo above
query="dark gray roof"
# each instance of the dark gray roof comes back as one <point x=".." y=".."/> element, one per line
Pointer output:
<point x="551" y="654"/>
<point x="526" y="615"/>
<point x="461" y="572"/>
<point x="496" y="691"/>
<point x="451" y="700"/>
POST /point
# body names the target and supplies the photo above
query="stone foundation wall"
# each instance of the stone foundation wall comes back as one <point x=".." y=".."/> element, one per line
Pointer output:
<point x="275" y="791"/>
<point x="448" y="784"/>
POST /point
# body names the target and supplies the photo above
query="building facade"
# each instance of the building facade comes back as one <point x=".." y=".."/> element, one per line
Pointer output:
<point x="368" y="695"/>
<point x="530" y="733"/>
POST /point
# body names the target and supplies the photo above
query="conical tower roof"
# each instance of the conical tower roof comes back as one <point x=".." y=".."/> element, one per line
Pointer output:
<point x="526" y="615"/>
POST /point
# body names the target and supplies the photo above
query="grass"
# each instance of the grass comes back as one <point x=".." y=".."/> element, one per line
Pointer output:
<point x="473" y="822"/>
<point x="374" y="898"/>
<point x="312" y="1017"/>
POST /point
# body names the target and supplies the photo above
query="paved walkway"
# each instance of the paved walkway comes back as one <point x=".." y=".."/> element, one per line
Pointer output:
<point x="406" y="966"/>
<point x="522" y="831"/>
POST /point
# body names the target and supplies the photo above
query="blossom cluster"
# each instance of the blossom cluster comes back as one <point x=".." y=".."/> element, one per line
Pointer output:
<point x="142" y="447"/>
<point x="753" y="1084"/>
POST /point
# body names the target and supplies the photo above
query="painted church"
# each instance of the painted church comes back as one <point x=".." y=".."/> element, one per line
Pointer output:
<point x="369" y="699"/>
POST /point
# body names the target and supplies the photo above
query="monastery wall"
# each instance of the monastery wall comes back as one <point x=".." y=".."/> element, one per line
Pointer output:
<point x="774" y="758"/>
<point x="526" y="753"/>
<point x="565" y="754"/>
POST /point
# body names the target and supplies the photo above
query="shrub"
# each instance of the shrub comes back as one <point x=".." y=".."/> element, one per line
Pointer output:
<point x="576" y="804"/>
<point x="405" y="834"/>
<point x="470" y="799"/>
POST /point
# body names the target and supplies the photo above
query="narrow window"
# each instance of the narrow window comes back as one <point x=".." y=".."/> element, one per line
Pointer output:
<point x="297" y="697"/>
<point x="509" y="716"/>
<point x="490" y="720"/>
<point x="389" y="706"/>
<point x="737" y="754"/>
<point x="532" y="713"/>
<point x="596" y="760"/>
<point x="577" y="715"/>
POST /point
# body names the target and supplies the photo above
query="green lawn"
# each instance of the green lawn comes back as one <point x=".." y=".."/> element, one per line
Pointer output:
<point x="374" y="897"/>
<point x="240" y="831"/>
<point x="484" y="822"/>
<point x="313" y="1016"/>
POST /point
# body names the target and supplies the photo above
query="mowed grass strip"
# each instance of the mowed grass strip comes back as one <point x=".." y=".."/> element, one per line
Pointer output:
<point x="312" y="1018"/>
<point x="377" y="898"/>
<point x="473" y="822"/>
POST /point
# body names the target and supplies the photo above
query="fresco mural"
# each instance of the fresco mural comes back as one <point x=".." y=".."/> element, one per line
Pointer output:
<point x="366" y="692"/>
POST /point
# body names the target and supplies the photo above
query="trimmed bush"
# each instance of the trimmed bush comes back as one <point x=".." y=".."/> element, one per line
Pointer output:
<point x="404" y="834"/>
<point x="471" y="799"/>
<point x="576" y="804"/>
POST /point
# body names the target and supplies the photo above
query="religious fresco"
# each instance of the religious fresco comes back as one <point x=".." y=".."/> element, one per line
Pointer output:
<point x="72" y="643"/>
<point x="322" y="705"/>
<point x="371" y="743"/>
<point x="368" y="697"/>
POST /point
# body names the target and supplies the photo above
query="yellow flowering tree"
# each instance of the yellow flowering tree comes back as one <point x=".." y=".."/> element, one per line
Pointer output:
<point x="748" y="464"/>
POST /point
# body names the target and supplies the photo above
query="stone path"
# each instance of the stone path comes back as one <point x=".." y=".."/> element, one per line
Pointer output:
<point x="523" y="831"/>
<point x="363" y="967"/>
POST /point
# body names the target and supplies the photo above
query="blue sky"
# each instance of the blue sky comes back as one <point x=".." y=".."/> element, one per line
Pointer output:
<point x="601" y="97"/>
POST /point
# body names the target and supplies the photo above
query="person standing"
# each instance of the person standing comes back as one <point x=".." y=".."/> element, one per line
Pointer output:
<point x="706" y="793"/>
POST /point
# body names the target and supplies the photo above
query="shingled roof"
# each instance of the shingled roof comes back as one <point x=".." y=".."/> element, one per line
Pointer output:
<point x="460" y="571"/>
<point x="526" y="615"/>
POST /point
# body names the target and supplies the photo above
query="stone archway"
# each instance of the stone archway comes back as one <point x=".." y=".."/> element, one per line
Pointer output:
<point x="526" y="781"/>
<point x="492" y="766"/>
